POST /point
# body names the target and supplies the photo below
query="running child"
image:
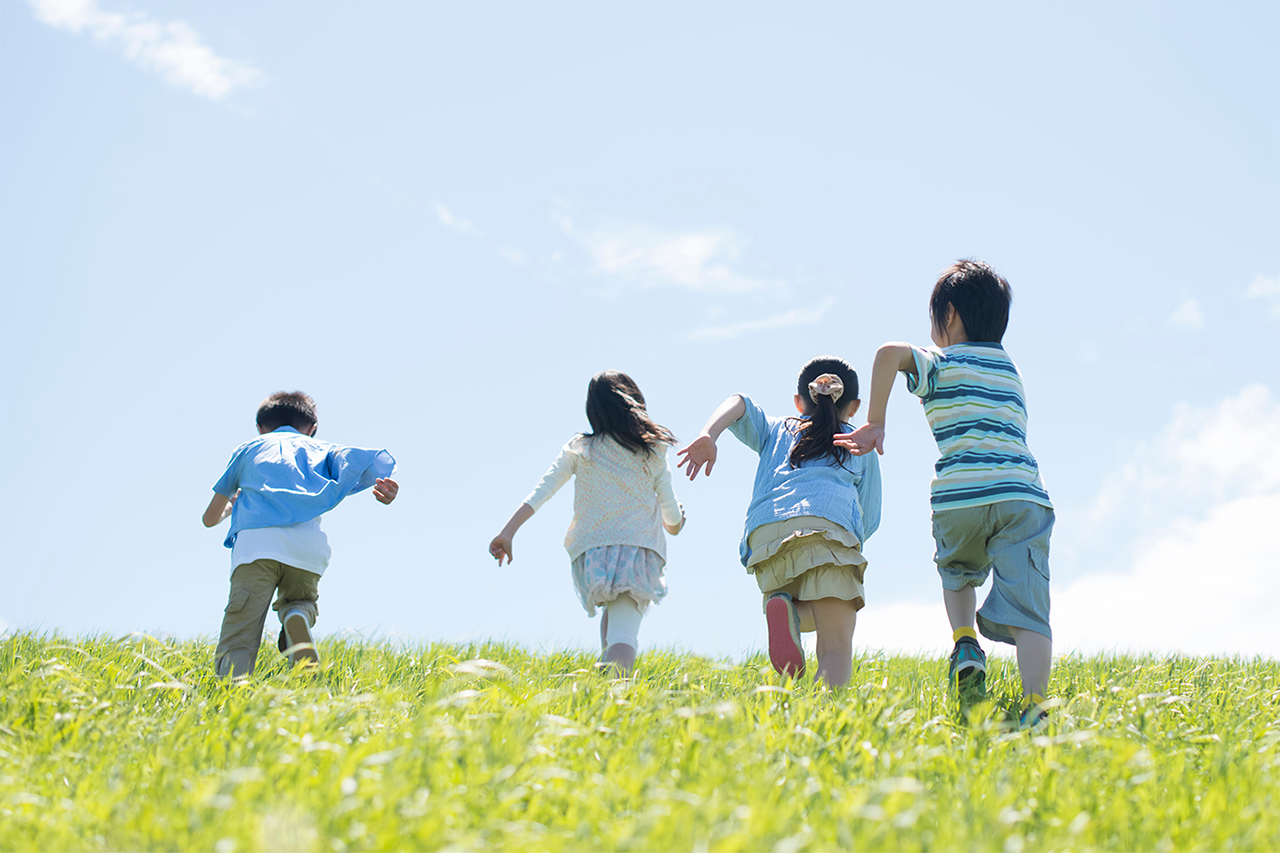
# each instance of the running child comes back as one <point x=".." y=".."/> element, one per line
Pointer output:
<point x="990" y="508"/>
<point x="275" y="489"/>
<point x="812" y="507"/>
<point x="622" y="501"/>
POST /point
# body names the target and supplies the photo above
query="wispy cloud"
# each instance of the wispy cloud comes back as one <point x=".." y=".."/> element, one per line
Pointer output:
<point x="1185" y="528"/>
<point x="1266" y="288"/>
<point x="453" y="222"/>
<point x="649" y="257"/>
<point x="515" y="257"/>
<point x="1187" y="316"/>
<point x="792" y="317"/>
<point x="172" y="49"/>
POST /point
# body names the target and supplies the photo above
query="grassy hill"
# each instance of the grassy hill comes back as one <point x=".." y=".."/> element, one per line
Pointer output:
<point x="109" y="744"/>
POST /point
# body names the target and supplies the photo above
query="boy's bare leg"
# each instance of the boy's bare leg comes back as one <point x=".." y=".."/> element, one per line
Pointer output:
<point x="961" y="605"/>
<point x="834" y="619"/>
<point x="1035" y="659"/>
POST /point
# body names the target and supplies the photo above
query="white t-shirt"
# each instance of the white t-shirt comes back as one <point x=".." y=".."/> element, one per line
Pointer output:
<point x="303" y="546"/>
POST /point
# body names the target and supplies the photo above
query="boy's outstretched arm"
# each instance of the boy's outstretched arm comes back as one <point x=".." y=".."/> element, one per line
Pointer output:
<point x="702" y="450"/>
<point x="891" y="359"/>
<point x="218" y="509"/>
<point x="501" y="545"/>
<point x="385" y="489"/>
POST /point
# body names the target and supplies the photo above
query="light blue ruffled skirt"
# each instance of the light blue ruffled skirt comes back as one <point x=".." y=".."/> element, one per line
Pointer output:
<point x="602" y="574"/>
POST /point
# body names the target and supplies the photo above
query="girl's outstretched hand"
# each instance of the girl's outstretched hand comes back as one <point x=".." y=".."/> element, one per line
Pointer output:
<point x="862" y="440"/>
<point x="701" y="451"/>
<point x="501" y="547"/>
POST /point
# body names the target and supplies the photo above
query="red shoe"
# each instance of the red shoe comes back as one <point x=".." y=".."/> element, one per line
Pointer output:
<point x="785" y="652"/>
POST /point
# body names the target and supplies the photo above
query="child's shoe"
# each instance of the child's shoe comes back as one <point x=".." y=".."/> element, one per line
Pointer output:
<point x="295" y="632"/>
<point x="968" y="669"/>
<point x="785" y="652"/>
<point x="1034" y="716"/>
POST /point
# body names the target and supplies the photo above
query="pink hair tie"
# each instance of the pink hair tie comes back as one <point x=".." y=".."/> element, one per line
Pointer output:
<point x="829" y="385"/>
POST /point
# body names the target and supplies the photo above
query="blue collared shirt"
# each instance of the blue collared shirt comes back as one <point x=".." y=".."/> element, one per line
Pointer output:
<point x="848" y="495"/>
<point x="285" y="477"/>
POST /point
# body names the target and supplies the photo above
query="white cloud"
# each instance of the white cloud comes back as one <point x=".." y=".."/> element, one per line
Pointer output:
<point x="1187" y="316"/>
<point x="1187" y="561"/>
<point x="1211" y="586"/>
<point x="1266" y="288"/>
<point x="1180" y="540"/>
<point x="648" y="256"/>
<point x="170" y="48"/>
<point x="793" y="317"/>
<point x="453" y="222"/>
<point x="515" y="257"/>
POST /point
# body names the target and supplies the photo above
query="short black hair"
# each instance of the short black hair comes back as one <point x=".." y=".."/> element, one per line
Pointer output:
<point x="287" y="408"/>
<point x="980" y="295"/>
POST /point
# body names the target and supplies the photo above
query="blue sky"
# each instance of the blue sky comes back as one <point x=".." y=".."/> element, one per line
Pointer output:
<point x="440" y="221"/>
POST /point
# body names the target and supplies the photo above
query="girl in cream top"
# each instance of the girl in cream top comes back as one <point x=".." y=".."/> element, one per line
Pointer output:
<point x="622" y="502"/>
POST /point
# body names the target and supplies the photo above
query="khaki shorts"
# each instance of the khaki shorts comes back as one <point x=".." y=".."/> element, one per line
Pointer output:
<point x="1010" y="538"/>
<point x="252" y="587"/>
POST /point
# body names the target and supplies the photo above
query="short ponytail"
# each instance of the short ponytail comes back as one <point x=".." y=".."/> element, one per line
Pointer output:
<point x="815" y="433"/>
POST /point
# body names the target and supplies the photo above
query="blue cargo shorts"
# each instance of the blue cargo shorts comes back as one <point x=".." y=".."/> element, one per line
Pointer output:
<point x="1010" y="538"/>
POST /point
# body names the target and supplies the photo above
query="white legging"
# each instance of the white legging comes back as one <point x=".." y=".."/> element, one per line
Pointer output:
<point x="624" y="621"/>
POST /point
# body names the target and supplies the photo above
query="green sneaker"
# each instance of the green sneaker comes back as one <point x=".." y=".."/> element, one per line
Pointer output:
<point x="968" y="670"/>
<point x="1034" y="716"/>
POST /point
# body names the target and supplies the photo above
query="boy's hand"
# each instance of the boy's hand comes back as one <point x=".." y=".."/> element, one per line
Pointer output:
<point x="862" y="440"/>
<point x="386" y="489"/>
<point x="501" y="547"/>
<point x="701" y="451"/>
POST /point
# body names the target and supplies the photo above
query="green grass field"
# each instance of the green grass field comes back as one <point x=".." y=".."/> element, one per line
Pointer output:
<point x="109" y="744"/>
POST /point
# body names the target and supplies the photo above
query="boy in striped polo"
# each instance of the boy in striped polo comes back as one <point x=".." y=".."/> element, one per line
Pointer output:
<point x="990" y="507"/>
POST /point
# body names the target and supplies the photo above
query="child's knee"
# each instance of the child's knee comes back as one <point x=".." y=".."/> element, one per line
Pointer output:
<point x="624" y="622"/>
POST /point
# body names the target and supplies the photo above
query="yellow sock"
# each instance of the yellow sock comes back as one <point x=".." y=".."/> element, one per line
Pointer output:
<point x="1036" y="699"/>
<point x="963" y="632"/>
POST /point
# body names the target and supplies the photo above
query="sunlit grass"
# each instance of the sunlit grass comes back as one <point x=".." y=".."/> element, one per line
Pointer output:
<point x="109" y="744"/>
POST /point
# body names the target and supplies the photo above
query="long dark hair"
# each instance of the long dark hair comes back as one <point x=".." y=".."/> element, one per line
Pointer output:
<point x="615" y="407"/>
<point x="815" y="432"/>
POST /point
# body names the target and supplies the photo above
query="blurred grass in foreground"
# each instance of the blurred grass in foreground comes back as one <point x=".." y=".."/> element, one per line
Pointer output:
<point x="132" y="744"/>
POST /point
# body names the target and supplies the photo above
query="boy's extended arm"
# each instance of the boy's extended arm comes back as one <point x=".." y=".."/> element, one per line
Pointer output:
<point x="702" y="450"/>
<point x="891" y="359"/>
<point x="218" y="509"/>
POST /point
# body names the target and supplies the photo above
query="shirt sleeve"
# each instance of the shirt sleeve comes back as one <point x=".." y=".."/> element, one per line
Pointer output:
<point x="229" y="482"/>
<point x="666" y="494"/>
<point x="869" y="495"/>
<point x="925" y="383"/>
<point x="557" y="475"/>
<point x="753" y="427"/>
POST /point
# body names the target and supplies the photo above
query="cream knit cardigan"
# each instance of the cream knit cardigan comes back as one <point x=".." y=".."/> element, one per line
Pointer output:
<point x="619" y="497"/>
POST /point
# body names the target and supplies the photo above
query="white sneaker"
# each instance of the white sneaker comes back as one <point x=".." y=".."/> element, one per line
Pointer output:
<point x="301" y="647"/>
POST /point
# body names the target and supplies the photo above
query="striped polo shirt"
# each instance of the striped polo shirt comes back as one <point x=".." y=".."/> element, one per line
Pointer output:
<point x="972" y="395"/>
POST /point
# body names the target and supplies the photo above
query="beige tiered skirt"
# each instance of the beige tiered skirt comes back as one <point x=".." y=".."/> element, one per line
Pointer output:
<point x="809" y="558"/>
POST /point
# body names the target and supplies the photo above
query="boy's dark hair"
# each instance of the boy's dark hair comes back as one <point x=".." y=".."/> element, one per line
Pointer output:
<point x="287" y="408"/>
<point x="615" y="407"/>
<point x="816" y="432"/>
<point x="980" y="295"/>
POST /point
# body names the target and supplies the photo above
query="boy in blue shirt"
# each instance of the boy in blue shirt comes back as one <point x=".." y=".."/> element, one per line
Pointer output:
<point x="275" y="489"/>
<point x="991" y="512"/>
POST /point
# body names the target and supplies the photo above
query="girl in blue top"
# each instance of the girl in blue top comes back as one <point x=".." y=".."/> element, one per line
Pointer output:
<point x="812" y="507"/>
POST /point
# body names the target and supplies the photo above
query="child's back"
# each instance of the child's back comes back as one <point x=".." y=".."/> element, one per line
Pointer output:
<point x="275" y="488"/>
